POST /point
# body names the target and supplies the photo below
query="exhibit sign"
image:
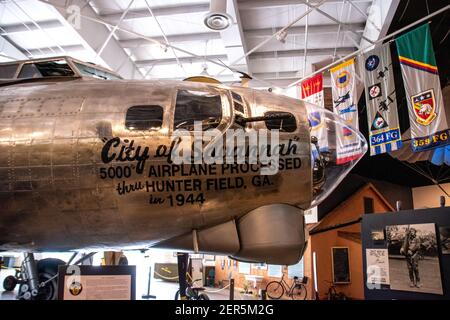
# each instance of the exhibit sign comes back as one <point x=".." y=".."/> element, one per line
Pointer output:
<point x="429" y="127"/>
<point x="377" y="268"/>
<point x="381" y="101"/>
<point x="345" y="104"/>
<point x="96" y="282"/>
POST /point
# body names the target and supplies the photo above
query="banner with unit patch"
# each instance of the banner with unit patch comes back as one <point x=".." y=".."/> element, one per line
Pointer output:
<point x="429" y="126"/>
<point x="345" y="105"/>
<point x="312" y="91"/>
<point x="381" y="102"/>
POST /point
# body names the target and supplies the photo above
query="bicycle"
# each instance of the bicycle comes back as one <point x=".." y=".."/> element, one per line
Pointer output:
<point x="192" y="293"/>
<point x="296" y="291"/>
<point x="332" y="294"/>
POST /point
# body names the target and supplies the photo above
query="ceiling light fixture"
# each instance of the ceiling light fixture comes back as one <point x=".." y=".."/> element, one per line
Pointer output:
<point x="217" y="18"/>
<point x="205" y="70"/>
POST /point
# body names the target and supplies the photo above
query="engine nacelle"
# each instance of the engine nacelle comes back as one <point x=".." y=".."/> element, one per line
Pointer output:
<point x="272" y="234"/>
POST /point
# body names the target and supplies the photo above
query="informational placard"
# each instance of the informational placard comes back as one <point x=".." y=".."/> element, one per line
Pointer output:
<point x="97" y="283"/>
<point x="377" y="261"/>
<point x="340" y="264"/>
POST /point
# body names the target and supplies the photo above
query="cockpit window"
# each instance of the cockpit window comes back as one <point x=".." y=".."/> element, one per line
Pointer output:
<point x="57" y="68"/>
<point x="287" y="124"/>
<point x="236" y="97"/>
<point x="144" y="118"/>
<point x="91" y="71"/>
<point x="192" y="106"/>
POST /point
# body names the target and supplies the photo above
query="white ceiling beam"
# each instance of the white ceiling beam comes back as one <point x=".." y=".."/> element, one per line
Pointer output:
<point x="157" y="11"/>
<point x="258" y="4"/>
<point x="293" y="31"/>
<point x="299" y="53"/>
<point x="168" y="61"/>
<point x="8" y="50"/>
<point x="29" y="26"/>
<point x="94" y="34"/>
<point x="380" y="13"/>
<point x="178" y="38"/>
<point x="233" y="39"/>
<point x="344" y="26"/>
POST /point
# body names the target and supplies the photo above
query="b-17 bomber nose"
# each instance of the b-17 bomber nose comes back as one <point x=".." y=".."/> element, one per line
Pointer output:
<point x="336" y="147"/>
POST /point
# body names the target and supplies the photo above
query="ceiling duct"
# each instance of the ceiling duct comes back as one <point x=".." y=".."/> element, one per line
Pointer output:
<point x="217" y="18"/>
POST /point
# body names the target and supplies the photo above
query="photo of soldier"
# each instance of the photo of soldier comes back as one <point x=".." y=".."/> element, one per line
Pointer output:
<point x="414" y="258"/>
<point x="410" y="249"/>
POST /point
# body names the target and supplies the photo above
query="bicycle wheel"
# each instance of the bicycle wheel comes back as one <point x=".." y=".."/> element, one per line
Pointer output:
<point x="299" y="292"/>
<point x="274" y="290"/>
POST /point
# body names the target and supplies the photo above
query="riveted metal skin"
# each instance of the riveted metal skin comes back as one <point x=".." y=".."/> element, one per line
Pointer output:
<point x="53" y="192"/>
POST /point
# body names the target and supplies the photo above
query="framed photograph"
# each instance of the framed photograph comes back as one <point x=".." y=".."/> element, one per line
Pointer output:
<point x="444" y="234"/>
<point x="377" y="236"/>
<point x="414" y="258"/>
<point x="340" y="265"/>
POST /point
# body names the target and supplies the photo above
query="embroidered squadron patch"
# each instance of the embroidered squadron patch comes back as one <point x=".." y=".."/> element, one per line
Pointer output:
<point x="378" y="122"/>
<point x="75" y="288"/>
<point x="424" y="105"/>
<point x="374" y="91"/>
<point x="372" y="62"/>
<point x="342" y="79"/>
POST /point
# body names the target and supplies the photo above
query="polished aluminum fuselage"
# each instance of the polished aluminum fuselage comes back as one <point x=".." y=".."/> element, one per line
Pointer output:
<point x="52" y="192"/>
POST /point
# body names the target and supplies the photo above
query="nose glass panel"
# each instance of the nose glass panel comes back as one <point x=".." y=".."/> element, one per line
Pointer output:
<point x="336" y="147"/>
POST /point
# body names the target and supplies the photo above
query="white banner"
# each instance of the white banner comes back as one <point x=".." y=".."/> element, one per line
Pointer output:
<point x="345" y="104"/>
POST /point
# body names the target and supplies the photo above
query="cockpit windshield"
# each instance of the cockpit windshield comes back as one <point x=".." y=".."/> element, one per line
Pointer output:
<point x="91" y="71"/>
<point x="55" y="68"/>
<point x="336" y="147"/>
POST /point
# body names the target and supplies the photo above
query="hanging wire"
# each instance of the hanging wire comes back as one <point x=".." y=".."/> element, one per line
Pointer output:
<point x="361" y="50"/>
<point x="404" y="11"/>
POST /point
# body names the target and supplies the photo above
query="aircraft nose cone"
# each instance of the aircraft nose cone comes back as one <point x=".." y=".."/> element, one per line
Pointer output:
<point x="336" y="147"/>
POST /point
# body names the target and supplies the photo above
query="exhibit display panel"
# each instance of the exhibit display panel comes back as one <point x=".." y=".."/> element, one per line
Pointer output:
<point x="97" y="283"/>
<point x="405" y="255"/>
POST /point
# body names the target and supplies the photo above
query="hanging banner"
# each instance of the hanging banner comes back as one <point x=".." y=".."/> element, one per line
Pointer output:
<point x="429" y="127"/>
<point x="312" y="91"/>
<point x="345" y="105"/>
<point x="381" y="102"/>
